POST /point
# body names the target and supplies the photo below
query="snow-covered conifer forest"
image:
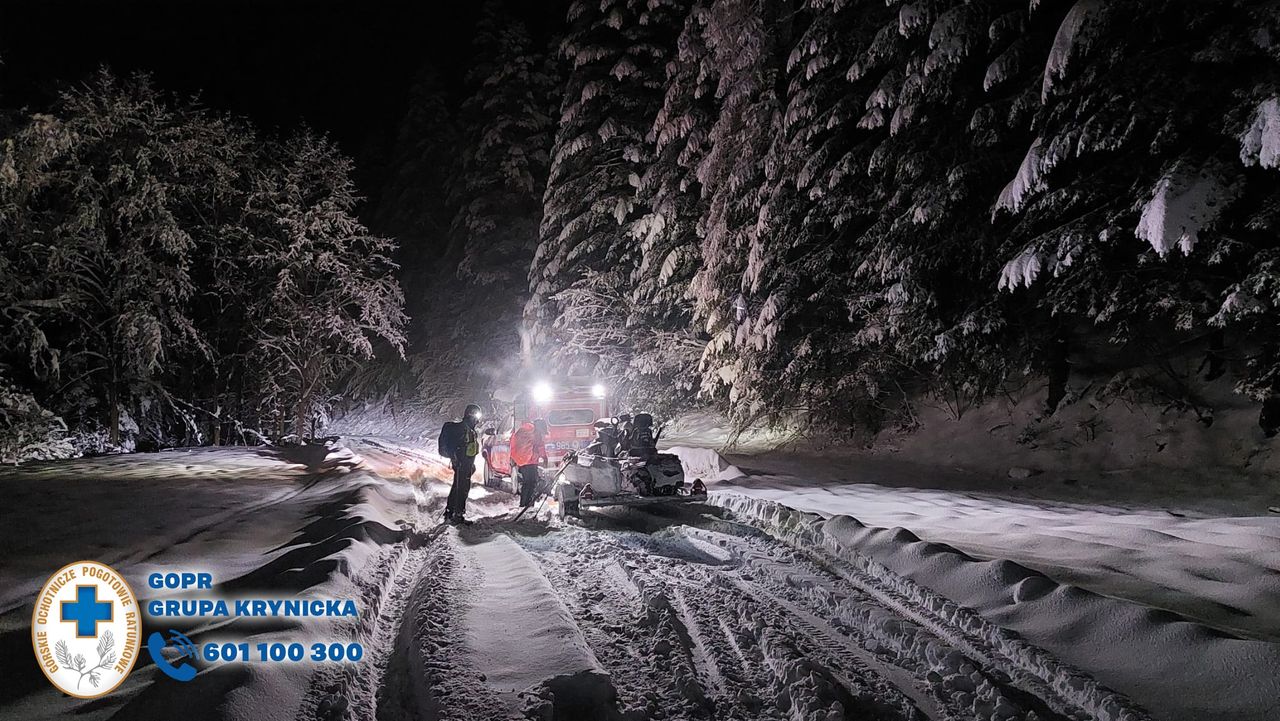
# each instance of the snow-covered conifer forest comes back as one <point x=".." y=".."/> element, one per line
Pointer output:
<point x="839" y="206"/>
<point x="892" y="360"/>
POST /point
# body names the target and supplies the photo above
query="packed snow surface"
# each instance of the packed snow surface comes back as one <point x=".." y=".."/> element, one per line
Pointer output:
<point x="740" y="609"/>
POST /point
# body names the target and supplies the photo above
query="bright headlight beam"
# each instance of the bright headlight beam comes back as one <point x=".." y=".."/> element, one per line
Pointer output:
<point x="542" y="392"/>
<point x="598" y="390"/>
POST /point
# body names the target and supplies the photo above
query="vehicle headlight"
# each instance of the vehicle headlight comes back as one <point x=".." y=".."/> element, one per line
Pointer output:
<point x="542" y="392"/>
<point x="598" y="390"/>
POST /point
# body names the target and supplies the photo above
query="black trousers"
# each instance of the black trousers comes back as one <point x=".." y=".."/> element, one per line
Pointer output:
<point x="463" y="467"/>
<point x="528" y="484"/>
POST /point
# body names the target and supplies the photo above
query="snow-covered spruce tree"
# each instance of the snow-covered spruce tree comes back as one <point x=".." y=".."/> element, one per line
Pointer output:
<point x="749" y="43"/>
<point x="818" y="200"/>
<point x="666" y="343"/>
<point x="580" y="279"/>
<point x="105" y="211"/>
<point x="507" y="124"/>
<point x="413" y="203"/>
<point x="1244" y="246"/>
<point x="480" y="171"/>
<point x="332" y="293"/>
<point x="930" y="322"/>
<point x="846" y="223"/>
<point x="1131" y="208"/>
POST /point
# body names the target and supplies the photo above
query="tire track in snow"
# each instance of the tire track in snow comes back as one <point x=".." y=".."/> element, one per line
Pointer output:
<point x="1029" y="675"/>
<point x="394" y="604"/>
<point x="429" y="677"/>
<point x="749" y="612"/>
<point x="956" y="687"/>
<point x="610" y="611"/>
<point x="682" y="642"/>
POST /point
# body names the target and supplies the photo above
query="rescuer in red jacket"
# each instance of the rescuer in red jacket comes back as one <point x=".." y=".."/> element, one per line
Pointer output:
<point x="527" y="451"/>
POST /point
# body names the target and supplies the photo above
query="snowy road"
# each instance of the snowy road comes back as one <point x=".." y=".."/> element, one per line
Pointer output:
<point x="683" y="614"/>
<point x="740" y="609"/>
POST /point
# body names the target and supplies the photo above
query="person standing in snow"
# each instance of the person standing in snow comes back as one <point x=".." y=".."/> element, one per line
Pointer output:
<point x="460" y="442"/>
<point x="528" y="449"/>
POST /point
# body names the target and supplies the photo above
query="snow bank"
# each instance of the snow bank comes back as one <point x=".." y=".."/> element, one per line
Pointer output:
<point x="706" y="464"/>
<point x="1221" y="572"/>
<point x="708" y="429"/>
<point x="413" y="422"/>
<point x="302" y="521"/>
<point x="1179" y="670"/>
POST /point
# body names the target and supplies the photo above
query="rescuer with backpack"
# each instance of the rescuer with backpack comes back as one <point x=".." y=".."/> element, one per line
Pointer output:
<point x="460" y="442"/>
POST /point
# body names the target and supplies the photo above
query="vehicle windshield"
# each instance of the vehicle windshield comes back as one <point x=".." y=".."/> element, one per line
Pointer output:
<point x="571" y="417"/>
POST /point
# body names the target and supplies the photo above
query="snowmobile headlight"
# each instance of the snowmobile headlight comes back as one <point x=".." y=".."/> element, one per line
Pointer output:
<point x="542" y="392"/>
<point x="598" y="390"/>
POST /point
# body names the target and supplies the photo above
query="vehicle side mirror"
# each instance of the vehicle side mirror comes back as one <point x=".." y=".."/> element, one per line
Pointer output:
<point x="490" y="432"/>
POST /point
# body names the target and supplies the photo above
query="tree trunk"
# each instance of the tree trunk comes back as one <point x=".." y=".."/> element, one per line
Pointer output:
<point x="781" y="21"/>
<point x="284" y="420"/>
<point x="300" y="418"/>
<point x="1269" y="416"/>
<point x="1215" y="358"/>
<point x="1059" y="369"/>
<point x="113" y="410"/>
<point x="257" y="420"/>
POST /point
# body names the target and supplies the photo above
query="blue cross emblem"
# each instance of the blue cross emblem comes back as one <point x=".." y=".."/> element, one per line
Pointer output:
<point x="86" y="611"/>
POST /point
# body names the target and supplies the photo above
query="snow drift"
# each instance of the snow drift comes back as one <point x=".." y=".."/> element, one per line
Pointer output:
<point x="1187" y="672"/>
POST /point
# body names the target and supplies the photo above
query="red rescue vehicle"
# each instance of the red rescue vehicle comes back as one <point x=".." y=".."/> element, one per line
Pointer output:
<point x="570" y="409"/>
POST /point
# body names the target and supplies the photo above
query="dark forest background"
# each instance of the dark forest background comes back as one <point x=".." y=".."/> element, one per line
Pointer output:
<point x="823" y="207"/>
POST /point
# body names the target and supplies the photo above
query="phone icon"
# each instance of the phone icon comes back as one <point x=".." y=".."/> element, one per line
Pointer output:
<point x="182" y="671"/>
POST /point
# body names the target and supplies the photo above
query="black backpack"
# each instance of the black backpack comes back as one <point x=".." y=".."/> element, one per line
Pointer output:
<point x="451" y="439"/>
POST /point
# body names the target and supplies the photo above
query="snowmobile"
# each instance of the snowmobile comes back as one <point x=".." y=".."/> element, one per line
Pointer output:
<point x="622" y="467"/>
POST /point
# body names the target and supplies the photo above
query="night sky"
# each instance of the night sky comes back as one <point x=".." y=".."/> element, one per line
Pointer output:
<point x="340" y="66"/>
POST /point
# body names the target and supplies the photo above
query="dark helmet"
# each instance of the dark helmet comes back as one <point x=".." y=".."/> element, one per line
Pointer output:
<point x="472" y="413"/>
